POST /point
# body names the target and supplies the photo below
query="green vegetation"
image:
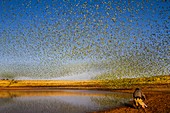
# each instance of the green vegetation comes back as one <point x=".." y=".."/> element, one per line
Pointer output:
<point x="134" y="82"/>
<point x="90" y="84"/>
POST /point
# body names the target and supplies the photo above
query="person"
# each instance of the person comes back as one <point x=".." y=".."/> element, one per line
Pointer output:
<point x="139" y="97"/>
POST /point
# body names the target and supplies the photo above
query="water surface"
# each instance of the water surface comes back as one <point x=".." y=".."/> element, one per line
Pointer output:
<point x="60" y="101"/>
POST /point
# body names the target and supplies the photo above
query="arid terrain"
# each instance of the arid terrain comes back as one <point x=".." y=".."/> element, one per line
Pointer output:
<point x="156" y="89"/>
<point x="158" y="101"/>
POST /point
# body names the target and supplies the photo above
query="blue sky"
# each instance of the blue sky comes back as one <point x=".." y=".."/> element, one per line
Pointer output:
<point x="46" y="35"/>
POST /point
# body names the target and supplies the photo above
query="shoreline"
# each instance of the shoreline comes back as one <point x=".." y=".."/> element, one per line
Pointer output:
<point x="158" y="98"/>
<point x="156" y="89"/>
<point x="158" y="101"/>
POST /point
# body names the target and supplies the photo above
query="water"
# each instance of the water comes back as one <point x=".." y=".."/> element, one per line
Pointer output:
<point x="60" y="101"/>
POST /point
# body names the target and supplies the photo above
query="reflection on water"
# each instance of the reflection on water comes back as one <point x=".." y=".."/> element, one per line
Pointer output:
<point x="59" y="101"/>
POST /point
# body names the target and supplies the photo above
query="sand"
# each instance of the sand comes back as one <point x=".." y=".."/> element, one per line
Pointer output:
<point x="158" y="101"/>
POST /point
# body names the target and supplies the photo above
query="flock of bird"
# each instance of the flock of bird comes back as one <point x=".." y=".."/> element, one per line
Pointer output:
<point x="131" y="36"/>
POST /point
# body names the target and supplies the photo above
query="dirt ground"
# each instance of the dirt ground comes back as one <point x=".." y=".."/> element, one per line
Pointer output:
<point x="157" y="92"/>
<point x="158" y="101"/>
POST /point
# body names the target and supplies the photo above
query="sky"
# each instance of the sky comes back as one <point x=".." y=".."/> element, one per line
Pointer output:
<point x="84" y="39"/>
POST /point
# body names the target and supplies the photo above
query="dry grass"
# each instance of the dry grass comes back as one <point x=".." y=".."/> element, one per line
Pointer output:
<point x="90" y="84"/>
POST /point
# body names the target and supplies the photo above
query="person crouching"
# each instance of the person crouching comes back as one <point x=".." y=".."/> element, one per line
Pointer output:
<point x="139" y="97"/>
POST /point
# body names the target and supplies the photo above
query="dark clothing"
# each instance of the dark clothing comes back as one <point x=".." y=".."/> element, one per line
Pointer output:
<point x="138" y="94"/>
<point x="138" y="98"/>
